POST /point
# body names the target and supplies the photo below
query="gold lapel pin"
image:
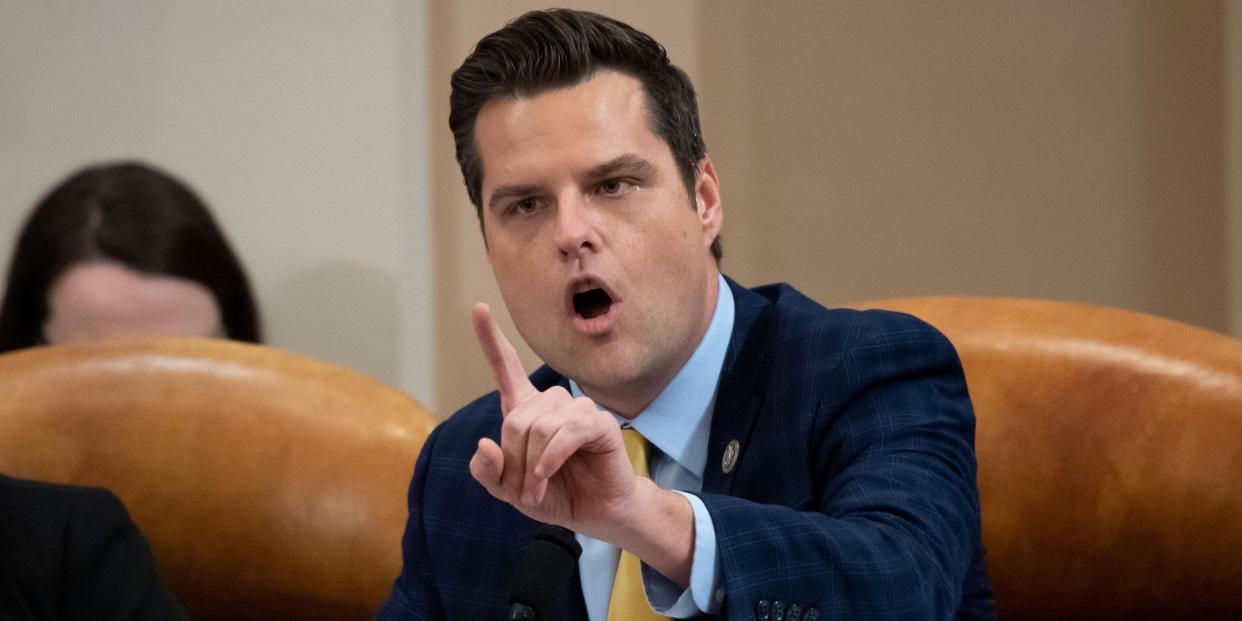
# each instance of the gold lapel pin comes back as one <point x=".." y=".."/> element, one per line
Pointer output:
<point x="730" y="456"/>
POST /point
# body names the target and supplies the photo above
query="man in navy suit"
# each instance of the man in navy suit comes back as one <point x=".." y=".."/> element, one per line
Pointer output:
<point x="804" y="464"/>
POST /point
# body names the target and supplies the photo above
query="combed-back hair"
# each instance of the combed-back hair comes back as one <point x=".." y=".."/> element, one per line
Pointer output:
<point x="131" y="214"/>
<point x="558" y="48"/>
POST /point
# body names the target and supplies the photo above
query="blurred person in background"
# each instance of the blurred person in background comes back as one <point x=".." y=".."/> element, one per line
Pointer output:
<point x="115" y="250"/>
<point x="73" y="553"/>
<point x="124" y="249"/>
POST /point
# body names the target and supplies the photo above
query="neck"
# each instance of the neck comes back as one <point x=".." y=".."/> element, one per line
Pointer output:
<point x="628" y="401"/>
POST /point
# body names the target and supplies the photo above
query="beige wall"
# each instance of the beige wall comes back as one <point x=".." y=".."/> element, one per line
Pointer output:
<point x="1055" y="150"/>
<point x="1061" y="150"/>
<point x="1233" y="28"/>
<point x="1070" y="150"/>
<point x="302" y="124"/>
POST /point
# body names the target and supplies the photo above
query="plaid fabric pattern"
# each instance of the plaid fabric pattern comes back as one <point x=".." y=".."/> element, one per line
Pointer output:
<point x="853" y="493"/>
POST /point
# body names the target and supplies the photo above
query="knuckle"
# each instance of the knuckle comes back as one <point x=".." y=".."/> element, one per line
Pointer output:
<point x="577" y="421"/>
<point x="589" y="409"/>
<point x="517" y="421"/>
<point x="544" y="427"/>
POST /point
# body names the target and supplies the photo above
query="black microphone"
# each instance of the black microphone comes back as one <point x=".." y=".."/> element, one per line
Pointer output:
<point x="543" y="571"/>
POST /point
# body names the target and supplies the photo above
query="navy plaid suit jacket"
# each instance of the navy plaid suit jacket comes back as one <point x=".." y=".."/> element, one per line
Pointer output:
<point x="853" y="494"/>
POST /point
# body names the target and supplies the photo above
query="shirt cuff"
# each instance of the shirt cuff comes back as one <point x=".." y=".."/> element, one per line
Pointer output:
<point x="669" y="599"/>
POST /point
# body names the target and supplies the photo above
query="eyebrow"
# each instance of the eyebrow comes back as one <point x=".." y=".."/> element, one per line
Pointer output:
<point x="629" y="163"/>
<point x="509" y="191"/>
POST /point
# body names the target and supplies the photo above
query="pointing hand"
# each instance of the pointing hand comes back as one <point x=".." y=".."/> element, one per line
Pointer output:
<point x="560" y="460"/>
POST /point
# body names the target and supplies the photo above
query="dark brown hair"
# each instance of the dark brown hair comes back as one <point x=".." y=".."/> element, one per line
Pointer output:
<point x="128" y="213"/>
<point x="546" y="50"/>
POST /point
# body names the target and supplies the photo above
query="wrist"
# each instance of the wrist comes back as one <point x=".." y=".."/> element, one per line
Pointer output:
<point x="659" y="529"/>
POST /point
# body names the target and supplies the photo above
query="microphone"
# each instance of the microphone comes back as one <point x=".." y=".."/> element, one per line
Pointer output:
<point x="544" y="570"/>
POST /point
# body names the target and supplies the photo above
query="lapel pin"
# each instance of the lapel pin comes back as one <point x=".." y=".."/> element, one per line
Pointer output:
<point x="730" y="456"/>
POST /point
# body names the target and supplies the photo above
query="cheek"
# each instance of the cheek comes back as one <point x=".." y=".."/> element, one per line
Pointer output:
<point x="676" y="240"/>
<point x="520" y="286"/>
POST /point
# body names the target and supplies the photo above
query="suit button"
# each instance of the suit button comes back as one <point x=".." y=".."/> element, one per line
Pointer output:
<point x="812" y="614"/>
<point x="778" y="610"/>
<point x="763" y="610"/>
<point x="794" y="614"/>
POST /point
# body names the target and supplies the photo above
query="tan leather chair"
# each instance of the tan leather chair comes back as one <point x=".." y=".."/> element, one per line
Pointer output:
<point x="1110" y="457"/>
<point x="270" y="485"/>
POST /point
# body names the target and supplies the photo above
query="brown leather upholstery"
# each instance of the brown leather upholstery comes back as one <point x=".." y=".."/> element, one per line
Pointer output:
<point x="270" y="485"/>
<point x="1110" y="457"/>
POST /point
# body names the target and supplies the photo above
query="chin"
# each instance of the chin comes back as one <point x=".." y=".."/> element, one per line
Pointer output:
<point x="604" y="373"/>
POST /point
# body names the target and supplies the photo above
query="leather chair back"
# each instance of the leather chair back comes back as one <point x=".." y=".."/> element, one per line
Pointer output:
<point x="1110" y="457"/>
<point x="270" y="485"/>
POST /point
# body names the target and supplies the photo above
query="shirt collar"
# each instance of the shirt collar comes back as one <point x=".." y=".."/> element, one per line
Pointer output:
<point x="679" y="420"/>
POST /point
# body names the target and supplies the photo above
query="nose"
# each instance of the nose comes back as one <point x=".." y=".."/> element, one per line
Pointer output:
<point x="574" y="232"/>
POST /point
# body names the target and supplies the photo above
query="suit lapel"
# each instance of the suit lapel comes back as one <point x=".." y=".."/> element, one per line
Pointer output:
<point x="739" y="396"/>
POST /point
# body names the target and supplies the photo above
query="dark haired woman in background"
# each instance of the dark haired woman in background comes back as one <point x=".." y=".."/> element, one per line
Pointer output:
<point x="115" y="250"/>
<point x="123" y="249"/>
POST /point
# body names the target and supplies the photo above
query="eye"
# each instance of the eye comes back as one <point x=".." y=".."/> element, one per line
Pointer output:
<point x="524" y="207"/>
<point x="616" y="187"/>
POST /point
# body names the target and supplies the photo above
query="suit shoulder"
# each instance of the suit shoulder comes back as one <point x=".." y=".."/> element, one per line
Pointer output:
<point x="483" y="414"/>
<point x="45" y="521"/>
<point x="61" y="506"/>
<point x="460" y="432"/>
<point x="51" y="499"/>
<point x="797" y="317"/>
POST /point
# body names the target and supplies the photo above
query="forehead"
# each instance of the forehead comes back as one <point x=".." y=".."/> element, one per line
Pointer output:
<point x="575" y="127"/>
<point x="108" y="293"/>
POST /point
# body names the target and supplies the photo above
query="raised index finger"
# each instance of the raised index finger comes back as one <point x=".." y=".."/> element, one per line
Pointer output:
<point x="507" y="369"/>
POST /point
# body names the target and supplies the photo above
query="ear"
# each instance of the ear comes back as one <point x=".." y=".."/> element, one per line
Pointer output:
<point x="707" y="200"/>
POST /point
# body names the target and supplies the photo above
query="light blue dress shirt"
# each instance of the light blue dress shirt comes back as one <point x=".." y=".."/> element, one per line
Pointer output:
<point x="677" y="424"/>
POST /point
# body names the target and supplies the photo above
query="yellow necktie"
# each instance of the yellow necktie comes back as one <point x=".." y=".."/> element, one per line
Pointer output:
<point x="629" y="600"/>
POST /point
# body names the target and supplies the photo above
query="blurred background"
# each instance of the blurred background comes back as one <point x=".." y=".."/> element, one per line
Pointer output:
<point x="1085" y="151"/>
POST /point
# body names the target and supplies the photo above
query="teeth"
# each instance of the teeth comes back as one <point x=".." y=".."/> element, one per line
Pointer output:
<point x="584" y="286"/>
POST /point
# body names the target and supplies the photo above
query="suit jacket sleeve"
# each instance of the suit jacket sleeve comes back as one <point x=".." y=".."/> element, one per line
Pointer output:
<point x="109" y="572"/>
<point x="878" y="513"/>
<point x="412" y="595"/>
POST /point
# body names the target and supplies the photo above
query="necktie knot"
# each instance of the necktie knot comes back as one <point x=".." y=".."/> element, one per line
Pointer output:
<point x="636" y="449"/>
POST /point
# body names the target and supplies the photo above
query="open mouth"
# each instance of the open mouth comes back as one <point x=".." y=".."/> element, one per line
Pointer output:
<point x="592" y="302"/>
